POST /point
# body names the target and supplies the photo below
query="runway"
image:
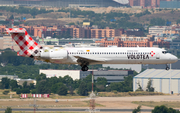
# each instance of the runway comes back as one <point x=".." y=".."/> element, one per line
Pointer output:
<point x="103" y="110"/>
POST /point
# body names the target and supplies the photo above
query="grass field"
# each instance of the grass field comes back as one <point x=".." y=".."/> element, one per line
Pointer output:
<point x="153" y="104"/>
<point x="53" y="96"/>
<point x="124" y="94"/>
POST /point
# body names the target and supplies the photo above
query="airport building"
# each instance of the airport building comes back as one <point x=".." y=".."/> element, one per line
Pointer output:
<point x="21" y="81"/>
<point x="12" y="77"/>
<point x="162" y="80"/>
<point x="135" y="67"/>
<point x="161" y="66"/>
<point x="111" y="75"/>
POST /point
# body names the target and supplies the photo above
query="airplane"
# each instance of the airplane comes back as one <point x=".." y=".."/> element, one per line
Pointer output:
<point x="88" y="56"/>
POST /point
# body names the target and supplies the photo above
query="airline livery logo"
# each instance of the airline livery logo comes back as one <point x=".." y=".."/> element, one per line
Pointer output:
<point x="152" y="53"/>
<point x="27" y="45"/>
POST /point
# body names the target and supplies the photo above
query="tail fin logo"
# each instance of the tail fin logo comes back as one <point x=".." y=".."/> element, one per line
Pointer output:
<point x="25" y="42"/>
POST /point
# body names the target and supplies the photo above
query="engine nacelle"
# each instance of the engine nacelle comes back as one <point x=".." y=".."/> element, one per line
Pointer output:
<point x="60" y="54"/>
<point x="54" y="54"/>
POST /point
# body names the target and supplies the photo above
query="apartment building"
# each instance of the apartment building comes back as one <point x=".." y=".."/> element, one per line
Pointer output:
<point x="125" y="41"/>
<point x="78" y="32"/>
<point x="1" y="42"/>
<point x="8" y="42"/>
<point x="172" y="30"/>
<point x="167" y="30"/>
<point x="2" y="28"/>
<point x="156" y="30"/>
<point x="145" y="3"/>
<point x="99" y="33"/>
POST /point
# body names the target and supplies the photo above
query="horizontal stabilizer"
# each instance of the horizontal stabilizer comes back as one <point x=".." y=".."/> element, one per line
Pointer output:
<point x="15" y="30"/>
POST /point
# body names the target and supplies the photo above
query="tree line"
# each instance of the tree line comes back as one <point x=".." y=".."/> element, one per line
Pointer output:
<point x="120" y="20"/>
<point x="158" y="109"/>
<point x="63" y="85"/>
<point x="24" y="10"/>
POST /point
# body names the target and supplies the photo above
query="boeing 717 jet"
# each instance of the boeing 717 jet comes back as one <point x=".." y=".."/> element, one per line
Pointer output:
<point x="87" y="56"/>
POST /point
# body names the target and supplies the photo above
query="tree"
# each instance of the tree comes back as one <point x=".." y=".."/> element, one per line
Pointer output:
<point x="18" y="91"/>
<point x="5" y="83"/>
<point x="62" y="90"/>
<point x="71" y="90"/>
<point x="13" y="84"/>
<point x="8" y="110"/>
<point x="101" y="81"/>
<point x="41" y="77"/>
<point x="72" y="23"/>
<point x="88" y="78"/>
<point x="178" y="21"/>
<point x="43" y="88"/>
<point x="5" y="92"/>
<point x="31" y="86"/>
<point x="158" y="21"/>
<point x="11" y="17"/>
<point x="25" y="84"/>
<point x="67" y="80"/>
<point x="137" y="110"/>
<point x="82" y="90"/>
<point x="139" y="87"/>
<point x="164" y="109"/>
<point x="149" y="88"/>
<point x="54" y="88"/>
<point x="33" y="91"/>
<point x="25" y="90"/>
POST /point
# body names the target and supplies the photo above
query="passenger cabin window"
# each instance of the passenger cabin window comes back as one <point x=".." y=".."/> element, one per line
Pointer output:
<point x="164" y="52"/>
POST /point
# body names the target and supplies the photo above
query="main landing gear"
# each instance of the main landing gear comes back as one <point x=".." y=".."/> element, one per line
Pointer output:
<point x="84" y="64"/>
<point x="167" y="67"/>
<point x="84" y="68"/>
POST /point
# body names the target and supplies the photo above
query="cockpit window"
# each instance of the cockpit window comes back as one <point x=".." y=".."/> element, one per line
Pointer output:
<point x="164" y="52"/>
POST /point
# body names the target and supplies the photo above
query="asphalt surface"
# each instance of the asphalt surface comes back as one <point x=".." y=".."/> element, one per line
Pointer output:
<point x="103" y="110"/>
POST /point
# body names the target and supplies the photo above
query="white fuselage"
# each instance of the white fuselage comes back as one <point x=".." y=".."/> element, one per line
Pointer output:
<point x="108" y="55"/>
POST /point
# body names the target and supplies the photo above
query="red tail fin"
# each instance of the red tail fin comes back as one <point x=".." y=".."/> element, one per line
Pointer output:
<point x="27" y="45"/>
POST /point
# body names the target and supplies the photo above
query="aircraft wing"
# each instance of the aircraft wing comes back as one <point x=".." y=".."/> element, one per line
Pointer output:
<point x="90" y="60"/>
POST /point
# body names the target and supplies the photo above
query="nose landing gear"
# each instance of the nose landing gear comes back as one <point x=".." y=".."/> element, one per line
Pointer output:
<point x="167" y="67"/>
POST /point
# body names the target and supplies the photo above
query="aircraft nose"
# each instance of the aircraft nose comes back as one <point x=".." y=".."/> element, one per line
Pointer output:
<point x="173" y="58"/>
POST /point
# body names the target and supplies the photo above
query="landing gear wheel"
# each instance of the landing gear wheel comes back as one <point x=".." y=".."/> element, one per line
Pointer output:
<point x="167" y="68"/>
<point x="84" y="68"/>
